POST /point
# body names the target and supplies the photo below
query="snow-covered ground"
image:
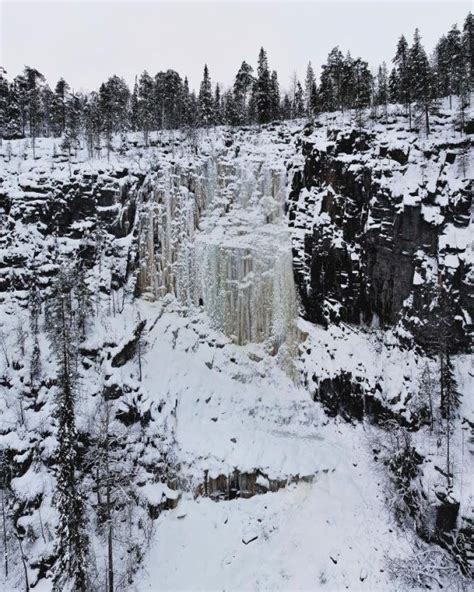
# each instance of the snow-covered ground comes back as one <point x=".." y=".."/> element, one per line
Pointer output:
<point x="328" y="532"/>
<point x="332" y="534"/>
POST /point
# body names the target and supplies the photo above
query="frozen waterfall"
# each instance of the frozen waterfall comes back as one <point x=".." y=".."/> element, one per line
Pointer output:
<point x="213" y="234"/>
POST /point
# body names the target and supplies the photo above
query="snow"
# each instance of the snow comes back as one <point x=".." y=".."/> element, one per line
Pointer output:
<point x="290" y="540"/>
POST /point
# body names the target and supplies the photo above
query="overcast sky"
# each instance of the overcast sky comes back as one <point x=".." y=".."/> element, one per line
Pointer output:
<point x="87" y="41"/>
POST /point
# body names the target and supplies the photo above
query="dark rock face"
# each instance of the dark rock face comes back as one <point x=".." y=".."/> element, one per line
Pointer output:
<point x="87" y="209"/>
<point x="345" y="396"/>
<point x="447" y="514"/>
<point x="129" y="350"/>
<point x="359" y="239"/>
<point x="238" y="484"/>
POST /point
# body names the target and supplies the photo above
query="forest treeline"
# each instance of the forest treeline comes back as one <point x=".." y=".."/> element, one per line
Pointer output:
<point x="30" y="108"/>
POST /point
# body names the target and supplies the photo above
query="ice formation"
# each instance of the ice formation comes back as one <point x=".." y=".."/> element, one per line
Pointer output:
<point x="214" y="236"/>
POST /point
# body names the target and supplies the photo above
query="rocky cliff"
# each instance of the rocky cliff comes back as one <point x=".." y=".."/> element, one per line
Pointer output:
<point x="381" y="220"/>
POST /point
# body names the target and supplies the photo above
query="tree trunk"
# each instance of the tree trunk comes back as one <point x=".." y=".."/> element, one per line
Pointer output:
<point x="5" y="548"/>
<point x="442" y="403"/>
<point x="110" y="556"/>
<point x="110" y="559"/>
<point x="22" y="555"/>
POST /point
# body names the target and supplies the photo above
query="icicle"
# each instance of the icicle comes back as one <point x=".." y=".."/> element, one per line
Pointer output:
<point x="213" y="234"/>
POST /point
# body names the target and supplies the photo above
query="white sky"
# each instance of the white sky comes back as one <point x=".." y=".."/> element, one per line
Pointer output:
<point x="87" y="41"/>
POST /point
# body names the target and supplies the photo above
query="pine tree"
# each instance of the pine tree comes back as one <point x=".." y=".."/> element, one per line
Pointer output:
<point x="420" y="78"/>
<point x="262" y="89"/>
<point x="206" y="101"/>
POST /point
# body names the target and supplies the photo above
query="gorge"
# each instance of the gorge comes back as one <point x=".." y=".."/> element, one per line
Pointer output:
<point x="258" y="311"/>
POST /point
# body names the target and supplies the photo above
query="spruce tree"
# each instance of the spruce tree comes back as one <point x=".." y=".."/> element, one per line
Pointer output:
<point x="73" y="123"/>
<point x="58" y="114"/>
<point x="263" y="89"/>
<point x="15" y="127"/>
<point x="331" y="87"/>
<point x="348" y="83"/>
<point x="188" y="115"/>
<point x="70" y="572"/>
<point x="393" y="85"/>
<point x="33" y="80"/>
<point x="449" y="395"/>
<point x="420" y="78"/>
<point x="134" y="114"/>
<point x="20" y="85"/>
<point x="217" y="106"/>
<point x="441" y="65"/>
<point x="285" y="108"/>
<point x="243" y="84"/>
<point x="299" y="106"/>
<point x="468" y="50"/>
<point x="34" y="305"/>
<point x="274" y="96"/>
<point x="114" y="97"/>
<point x="47" y="101"/>
<point x="382" y="94"/>
<point x="362" y="84"/>
<point x="403" y="75"/>
<point x="456" y="64"/>
<point x="145" y="107"/>
<point x="206" y="101"/>
<point x="230" y="111"/>
<point x="168" y="99"/>
<point x="309" y="90"/>
<point x="4" y="92"/>
<point x="92" y="123"/>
